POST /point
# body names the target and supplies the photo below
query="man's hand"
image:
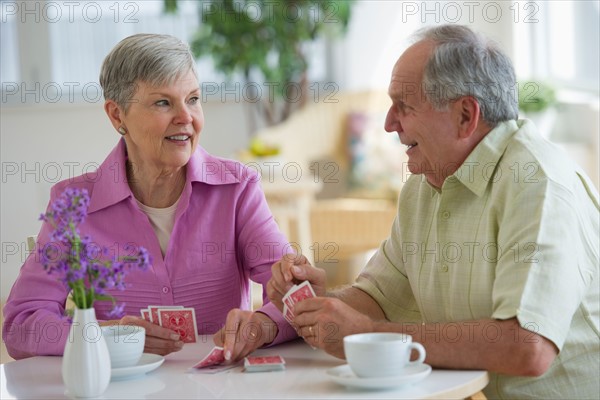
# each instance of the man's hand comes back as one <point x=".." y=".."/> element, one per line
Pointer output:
<point x="290" y="270"/>
<point x="324" y="321"/>
<point x="244" y="332"/>
<point x="159" y="340"/>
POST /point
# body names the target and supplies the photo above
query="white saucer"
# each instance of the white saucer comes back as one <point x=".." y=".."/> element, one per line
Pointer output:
<point x="411" y="374"/>
<point x="147" y="363"/>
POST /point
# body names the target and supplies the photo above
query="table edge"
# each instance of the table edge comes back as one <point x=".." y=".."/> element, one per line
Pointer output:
<point x="471" y="387"/>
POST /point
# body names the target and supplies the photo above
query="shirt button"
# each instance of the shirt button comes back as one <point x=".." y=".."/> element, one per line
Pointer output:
<point x="165" y="290"/>
<point x="444" y="268"/>
<point x="446" y="215"/>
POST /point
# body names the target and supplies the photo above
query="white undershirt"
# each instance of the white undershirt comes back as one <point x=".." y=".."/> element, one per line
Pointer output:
<point x="162" y="221"/>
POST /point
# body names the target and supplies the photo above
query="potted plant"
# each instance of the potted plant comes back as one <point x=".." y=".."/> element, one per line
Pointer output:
<point x="263" y="40"/>
<point x="86" y="271"/>
<point x="536" y="102"/>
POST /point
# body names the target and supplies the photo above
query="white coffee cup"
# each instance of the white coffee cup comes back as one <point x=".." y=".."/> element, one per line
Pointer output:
<point x="380" y="354"/>
<point x="125" y="344"/>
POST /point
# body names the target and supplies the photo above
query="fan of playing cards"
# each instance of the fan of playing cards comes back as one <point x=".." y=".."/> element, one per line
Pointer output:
<point x="177" y="318"/>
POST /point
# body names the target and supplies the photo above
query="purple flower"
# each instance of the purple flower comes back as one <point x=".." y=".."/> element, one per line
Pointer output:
<point x="117" y="312"/>
<point x="81" y="265"/>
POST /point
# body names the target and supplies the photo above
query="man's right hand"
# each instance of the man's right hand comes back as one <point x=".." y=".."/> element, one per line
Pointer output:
<point x="290" y="270"/>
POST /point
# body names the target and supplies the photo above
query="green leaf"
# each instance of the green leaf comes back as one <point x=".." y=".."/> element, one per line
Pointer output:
<point x="535" y="96"/>
<point x="105" y="297"/>
<point x="170" y="6"/>
<point x="241" y="37"/>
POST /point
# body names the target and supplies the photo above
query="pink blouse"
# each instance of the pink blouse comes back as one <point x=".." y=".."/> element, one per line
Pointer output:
<point x="224" y="236"/>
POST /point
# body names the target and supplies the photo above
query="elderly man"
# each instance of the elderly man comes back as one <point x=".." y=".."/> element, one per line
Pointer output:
<point x="492" y="261"/>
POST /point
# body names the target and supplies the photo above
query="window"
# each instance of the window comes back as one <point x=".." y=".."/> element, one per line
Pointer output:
<point x="558" y="41"/>
<point x="9" y="54"/>
<point x="52" y="50"/>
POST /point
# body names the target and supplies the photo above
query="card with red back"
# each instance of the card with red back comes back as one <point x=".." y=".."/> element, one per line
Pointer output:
<point x="213" y="369"/>
<point x="264" y="360"/>
<point x="154" y="312"/>
<point x="303" y="291"/>
<point x="298" y="293"/>
<point x="145" y="314"/>
<point x="182" y="321"/>
<point x="288" y="314"/>
<point x="264" y="364"/>
<point x="287" y="300"/>
<point x="214" y="357"/>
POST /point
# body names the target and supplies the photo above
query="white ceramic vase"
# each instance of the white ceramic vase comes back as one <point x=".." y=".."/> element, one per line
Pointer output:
<point x="86" y="361"/>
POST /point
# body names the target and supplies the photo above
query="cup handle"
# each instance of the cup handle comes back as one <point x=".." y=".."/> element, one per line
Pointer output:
<point x="418" y="347"/>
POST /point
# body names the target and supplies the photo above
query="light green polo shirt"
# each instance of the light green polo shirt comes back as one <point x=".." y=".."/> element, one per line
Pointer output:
<point x="513" y="233"/>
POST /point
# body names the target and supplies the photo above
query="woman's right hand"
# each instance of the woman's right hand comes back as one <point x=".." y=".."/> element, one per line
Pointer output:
<point x="290" y="270"/>
<point x="159" y="340"/>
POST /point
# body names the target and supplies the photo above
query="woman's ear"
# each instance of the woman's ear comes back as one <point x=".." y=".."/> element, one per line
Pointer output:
<point x="467" y="113"/>
<point x="115" y="114"/>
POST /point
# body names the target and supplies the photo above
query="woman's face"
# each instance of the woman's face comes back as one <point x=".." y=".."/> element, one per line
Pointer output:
<point x="163" y="124"/>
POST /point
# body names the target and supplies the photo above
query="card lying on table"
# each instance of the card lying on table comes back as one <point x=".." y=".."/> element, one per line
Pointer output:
<point x="213" y="362"/>
<point x="264" y="364"/>
<point x="296" y="294"/>
<point x="214" y="357"/>
<point x="177" y="318"/>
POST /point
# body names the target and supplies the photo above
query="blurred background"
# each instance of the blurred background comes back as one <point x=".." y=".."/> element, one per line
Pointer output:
<point x="300" y="94"/>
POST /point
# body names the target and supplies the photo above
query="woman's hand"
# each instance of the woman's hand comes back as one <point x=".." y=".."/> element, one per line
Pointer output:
<point x="159" y="340"/>
<point x="244" y="332"/>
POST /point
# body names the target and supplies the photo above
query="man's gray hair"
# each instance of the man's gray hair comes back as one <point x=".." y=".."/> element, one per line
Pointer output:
<point x="153" y="59"/>
<point x="465" y="63"/>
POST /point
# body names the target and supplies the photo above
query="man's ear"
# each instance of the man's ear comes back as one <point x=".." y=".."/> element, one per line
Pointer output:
<point x="467" y="114"/>
<point x="115" y="113"/>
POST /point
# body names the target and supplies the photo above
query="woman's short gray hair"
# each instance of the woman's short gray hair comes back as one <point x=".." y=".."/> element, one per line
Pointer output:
<point x="465" y="63"/>
<point x="154" y="59"/>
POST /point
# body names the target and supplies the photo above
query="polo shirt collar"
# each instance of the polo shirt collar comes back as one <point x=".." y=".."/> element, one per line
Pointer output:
<point x="479" y="168"/>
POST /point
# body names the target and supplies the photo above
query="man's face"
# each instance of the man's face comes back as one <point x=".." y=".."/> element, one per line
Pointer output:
<point x="431" y="135"/>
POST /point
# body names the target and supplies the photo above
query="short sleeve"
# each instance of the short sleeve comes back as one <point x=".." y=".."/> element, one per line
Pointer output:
<point x="384" y="279"/>
<point x="547" y="263"/>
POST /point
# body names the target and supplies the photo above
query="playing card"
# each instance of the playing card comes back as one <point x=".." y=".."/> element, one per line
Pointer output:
<point x="214" y="357"/>
<point x="302" y="291"/>
<point x="213" y="369"/>
<point x="264" y="364"/>
<point x="294" y="295"/>
<point x="182" y="321"/>
<point x="287" y="300"/>
<point x="154" y="312"/>
<point x="252" y="361"/>
<point x="288" y="314"/>
<point x="145" y="314"/>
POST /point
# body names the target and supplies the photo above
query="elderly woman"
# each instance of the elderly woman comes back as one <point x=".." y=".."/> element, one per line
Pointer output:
<point x="203" y="219"/>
